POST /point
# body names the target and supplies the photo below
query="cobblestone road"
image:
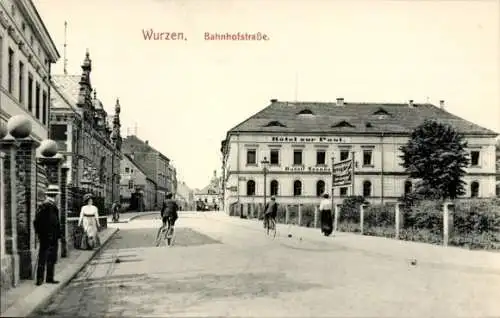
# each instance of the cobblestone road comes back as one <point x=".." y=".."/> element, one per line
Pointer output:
<point x="218" y="269"/>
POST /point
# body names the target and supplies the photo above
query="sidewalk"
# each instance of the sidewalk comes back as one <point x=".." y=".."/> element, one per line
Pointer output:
<point x="383" y="247"/>
<point x="26" y="298"/>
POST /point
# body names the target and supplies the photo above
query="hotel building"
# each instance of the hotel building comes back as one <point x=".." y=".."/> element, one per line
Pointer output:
<point x="299" y="139"/>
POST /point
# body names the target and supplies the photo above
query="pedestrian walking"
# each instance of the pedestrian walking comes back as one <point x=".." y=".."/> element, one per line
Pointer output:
<point x="89" y="221"/>
<point x="48" y="229"/>
<point x="115" y="209"/>
<point x="325" y="209"/>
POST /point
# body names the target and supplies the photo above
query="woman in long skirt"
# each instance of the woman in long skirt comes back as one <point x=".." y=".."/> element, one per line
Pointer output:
<point x="325" y="208"/>
<point x="89" y="221"/>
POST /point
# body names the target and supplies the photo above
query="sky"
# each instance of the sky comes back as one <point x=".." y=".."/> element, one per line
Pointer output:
<point x="185" y="95"/>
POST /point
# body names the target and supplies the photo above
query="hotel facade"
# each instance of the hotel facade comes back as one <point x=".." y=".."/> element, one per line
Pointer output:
<point x="295" y="143"/>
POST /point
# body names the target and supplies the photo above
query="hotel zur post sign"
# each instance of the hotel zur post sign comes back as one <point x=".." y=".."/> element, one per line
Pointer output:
<point x="307" y="139"/>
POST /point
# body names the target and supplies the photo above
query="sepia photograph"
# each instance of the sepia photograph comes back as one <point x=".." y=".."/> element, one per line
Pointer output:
<point x="250" y="158"/>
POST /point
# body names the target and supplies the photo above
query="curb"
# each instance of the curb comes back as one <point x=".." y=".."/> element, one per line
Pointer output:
<point x="140" y="215"/>
<point x="46" y="298"/>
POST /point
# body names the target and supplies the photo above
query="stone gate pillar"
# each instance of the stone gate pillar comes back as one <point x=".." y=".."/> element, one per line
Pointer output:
<point x="26" y="200"/>
<point x="9" y="256"/>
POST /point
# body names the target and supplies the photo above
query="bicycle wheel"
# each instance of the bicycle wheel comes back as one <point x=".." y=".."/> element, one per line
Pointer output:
<point x="170" y="236"/>
<point x="272" y="228"/>
<point x="160" y="236"/>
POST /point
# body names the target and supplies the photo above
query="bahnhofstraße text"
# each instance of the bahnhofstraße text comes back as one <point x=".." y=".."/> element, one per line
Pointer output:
<point x="153" y="35"/>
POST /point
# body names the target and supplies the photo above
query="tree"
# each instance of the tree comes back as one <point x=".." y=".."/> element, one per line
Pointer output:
<point x="436" y="154"/>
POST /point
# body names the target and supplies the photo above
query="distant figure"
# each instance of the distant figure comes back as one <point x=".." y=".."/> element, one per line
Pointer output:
<point x="325" y="208"/>
<point x="89" y="220"/>
<point x="48" y="230"/>
<point x="115" y="209"/>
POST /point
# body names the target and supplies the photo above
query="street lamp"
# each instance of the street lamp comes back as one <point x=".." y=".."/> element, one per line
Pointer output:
<point x="265" y="164"/>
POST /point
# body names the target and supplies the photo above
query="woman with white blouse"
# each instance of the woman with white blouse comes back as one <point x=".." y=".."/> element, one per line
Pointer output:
<point x="325" y="209"/>
<point x="89" y="220"/>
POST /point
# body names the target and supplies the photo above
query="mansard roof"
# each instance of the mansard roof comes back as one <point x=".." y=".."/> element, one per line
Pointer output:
<point x="68" y="86"/>
<point x="402" y="120"/>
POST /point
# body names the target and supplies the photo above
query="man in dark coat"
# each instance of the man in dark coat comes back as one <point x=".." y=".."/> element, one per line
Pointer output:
<point x="48" y="230"/>
<point x="270" y="211"/>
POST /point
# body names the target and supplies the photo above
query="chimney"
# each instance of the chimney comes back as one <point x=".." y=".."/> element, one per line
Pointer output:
<point x="340" y="101"/>
<point x="274" y="100"/>
<point x="147" y="142"/>
<point x="441" y="104"/>
<point x="410" y="103"/>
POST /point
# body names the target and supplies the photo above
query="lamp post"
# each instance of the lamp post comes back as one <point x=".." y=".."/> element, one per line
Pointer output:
<point x="265" y="164"/>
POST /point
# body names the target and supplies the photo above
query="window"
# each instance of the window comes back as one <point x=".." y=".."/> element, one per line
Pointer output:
<point x="344" y="155"/>
<point x="11" y="71"/>
<point x="343" y="123"/>
<point x="37" y="101"/>
<point x="275" y="123"/>
<point x="320" y="188"/>
<point x="250" y="187"/>
<point x="297" y="157"/>
<point x="275" y="157"/>
<point x="474" y="189"/>
<point x="30" y="92"/>
<point x="21" y="82"/>
<point x="367" y="158"/>
<point x="474" y="158"/>
<point x="44" y="108"/>
<point x="131" y="184"/>
<point x="343" y="191"/>
<point x="297" y="188"/>
<point x="274" y="187"/>
<point x="127" y="170"/>
<point x="367" y="189"/>
<point x="320" y="157"/>
<point x="408" y="187"/>
<point x="251" y="157"/>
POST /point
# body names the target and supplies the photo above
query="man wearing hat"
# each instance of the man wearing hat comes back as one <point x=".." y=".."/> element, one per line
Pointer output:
<point x="48" y="230"/>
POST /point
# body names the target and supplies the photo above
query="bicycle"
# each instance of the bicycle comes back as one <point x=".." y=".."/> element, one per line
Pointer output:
<point x="270" y="226"/>
<point x="165" y="232"/>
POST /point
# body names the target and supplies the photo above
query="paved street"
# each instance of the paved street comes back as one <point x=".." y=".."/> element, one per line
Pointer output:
<point x="219" y="267"/>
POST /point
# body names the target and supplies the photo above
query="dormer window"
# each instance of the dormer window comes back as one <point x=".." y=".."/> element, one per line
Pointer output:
<point x="275" y="123"/>
<point x="306" y="111"/>
<point x="368" y="125"/>
<point x="381" y="113"/>
<point x="343" y="123"/>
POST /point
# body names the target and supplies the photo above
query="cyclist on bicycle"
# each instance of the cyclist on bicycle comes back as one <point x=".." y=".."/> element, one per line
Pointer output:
<point x="169" y="210"/>
<point x="271" y="211"/>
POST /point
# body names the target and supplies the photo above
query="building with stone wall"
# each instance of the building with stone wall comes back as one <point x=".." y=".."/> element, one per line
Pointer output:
<point x="79" y="124"/>
<point x="26" y="55"/>
<point x="299" y="139"/>
<point x="155" y="164"/>
<point x="137" y="190"/>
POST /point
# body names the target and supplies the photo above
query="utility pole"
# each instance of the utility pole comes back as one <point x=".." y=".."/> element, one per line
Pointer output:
<point x="65" y="45"/>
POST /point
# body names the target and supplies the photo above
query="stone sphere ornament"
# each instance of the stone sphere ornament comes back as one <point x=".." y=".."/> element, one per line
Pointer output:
<point x="19" y="126"/>
<point x="48" y="148"/>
